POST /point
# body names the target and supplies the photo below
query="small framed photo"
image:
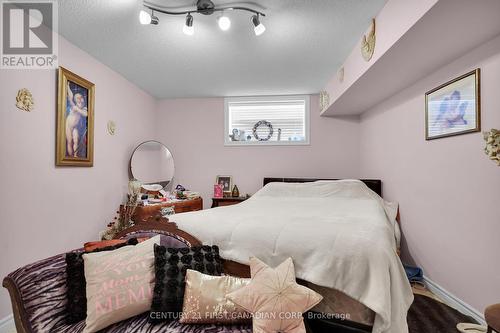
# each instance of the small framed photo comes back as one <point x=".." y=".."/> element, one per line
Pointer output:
<point x="226" y="182"/>
<point x="454" y="107"/>
<point x="75" y="120"/>
<point x="218" y="191"/>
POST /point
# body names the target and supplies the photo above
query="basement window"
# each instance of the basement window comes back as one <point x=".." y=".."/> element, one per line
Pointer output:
<point x="266" y="120"/>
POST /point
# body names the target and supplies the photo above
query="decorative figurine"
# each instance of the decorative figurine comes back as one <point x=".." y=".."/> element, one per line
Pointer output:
<point x="235" y="192"/>
<point x="179" y="192"/>
<point x="236" y="135"/>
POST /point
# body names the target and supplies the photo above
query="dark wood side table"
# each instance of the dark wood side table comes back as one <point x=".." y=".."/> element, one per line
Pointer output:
<point x="227" y="201"/>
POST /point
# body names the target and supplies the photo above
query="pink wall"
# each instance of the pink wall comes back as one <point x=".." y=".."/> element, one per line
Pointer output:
<point x="46" y="210"/>
<point x="193" y="130"/>
<point x="448" y="190"/>
<point x="393" y="21"/>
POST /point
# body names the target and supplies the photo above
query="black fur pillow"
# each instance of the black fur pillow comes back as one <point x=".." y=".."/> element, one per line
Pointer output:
<point x="171" y="265"/>
<point x="76" y="294"/>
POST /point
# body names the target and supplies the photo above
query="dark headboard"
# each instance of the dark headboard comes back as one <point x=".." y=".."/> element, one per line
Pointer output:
<point x="374" y="184"/>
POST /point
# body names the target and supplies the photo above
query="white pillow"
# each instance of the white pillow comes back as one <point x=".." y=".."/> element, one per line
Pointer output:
<point x="119" y="284"/>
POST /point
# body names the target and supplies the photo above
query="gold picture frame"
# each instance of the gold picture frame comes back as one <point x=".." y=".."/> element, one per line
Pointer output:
<point x="454" y="107"/>
<point x="75" y="120"/>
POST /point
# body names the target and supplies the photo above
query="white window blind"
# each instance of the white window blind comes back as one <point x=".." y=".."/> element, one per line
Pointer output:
<point x="288" y="116"/>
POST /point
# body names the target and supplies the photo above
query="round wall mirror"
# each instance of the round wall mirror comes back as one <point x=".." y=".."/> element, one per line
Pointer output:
<point x="152" y="163"/>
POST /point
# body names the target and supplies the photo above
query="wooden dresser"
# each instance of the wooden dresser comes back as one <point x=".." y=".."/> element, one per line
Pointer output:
<point x="143" y="213"/>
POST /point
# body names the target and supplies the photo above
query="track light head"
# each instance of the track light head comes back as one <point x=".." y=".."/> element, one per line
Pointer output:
<point x="224" y="23"/>
<point x="259" y="28"/>
<point x="154" y="19"/>
<point x="146" y="18"/>
<point x="188" y="28"/>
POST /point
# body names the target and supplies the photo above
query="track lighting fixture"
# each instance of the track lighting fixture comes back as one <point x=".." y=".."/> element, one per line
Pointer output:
<point x="188" y="28"/>
<point x="259" y="28"/>
<point x="205" y="7"/>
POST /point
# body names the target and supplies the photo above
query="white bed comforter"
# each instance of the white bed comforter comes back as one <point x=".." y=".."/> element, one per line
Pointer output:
<point x="339" y="234"/>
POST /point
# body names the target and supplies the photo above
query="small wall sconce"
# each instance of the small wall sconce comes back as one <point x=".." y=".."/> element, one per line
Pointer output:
<point x="324" y="100"/>
<point x="340" y="74"/>
<point x="368" y="43"/>
<point x="111" y="126"/>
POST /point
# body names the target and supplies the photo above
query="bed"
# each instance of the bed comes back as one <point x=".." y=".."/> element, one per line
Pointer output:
<point x="341" y="235"/>
<point x="347" y="253"/>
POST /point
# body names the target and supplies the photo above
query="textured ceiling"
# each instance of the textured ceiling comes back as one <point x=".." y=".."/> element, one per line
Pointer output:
<point x="303" y="46"/>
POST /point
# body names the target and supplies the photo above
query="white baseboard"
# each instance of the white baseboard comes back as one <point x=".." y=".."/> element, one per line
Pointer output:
<point x="7" y="324"/>
<point x="454" y="301"/>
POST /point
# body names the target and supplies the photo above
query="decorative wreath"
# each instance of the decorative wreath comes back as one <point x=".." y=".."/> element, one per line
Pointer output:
<point x="262" y="123"/>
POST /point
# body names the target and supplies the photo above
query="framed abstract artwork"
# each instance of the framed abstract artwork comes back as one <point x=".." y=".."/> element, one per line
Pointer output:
<point x="454" y="107"/>
<point x="75" y="120"/>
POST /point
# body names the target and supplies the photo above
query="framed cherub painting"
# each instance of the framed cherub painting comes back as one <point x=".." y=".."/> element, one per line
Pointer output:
<point x="454" y="107"/>
<point x="75" y="120"/>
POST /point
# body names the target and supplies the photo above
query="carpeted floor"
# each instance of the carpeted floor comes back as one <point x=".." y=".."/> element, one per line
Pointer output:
<point x="428" y="315"/>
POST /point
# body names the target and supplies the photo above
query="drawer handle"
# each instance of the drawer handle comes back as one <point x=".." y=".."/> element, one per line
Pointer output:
<point x="168" y="211"/>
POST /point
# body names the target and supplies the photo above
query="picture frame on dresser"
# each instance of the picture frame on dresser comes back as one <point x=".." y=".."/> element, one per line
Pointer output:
<point x="226" y="182"/>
